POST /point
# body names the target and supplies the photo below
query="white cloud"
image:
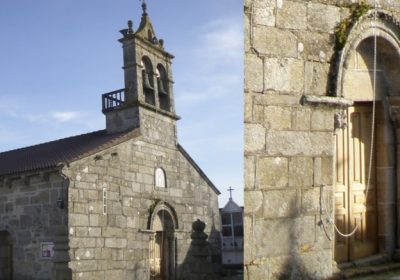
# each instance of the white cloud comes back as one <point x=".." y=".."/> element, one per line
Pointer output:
<point x="224" y="144"/>
<point x="223" y="40"/>
<point x="66" y="116"/>
<point x="218" y="56"/>
<point x="16" y="108"/>
<point x="210" y="88"/>
<point x="8" y="105"/>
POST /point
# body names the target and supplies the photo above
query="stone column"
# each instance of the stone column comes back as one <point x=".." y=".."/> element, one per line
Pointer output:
<point x="397" y="180"/>
<point x="385" y="186"/>
<point x="172" y="256"/>
<point x="394" y="110"/>
<point x="150" y="259"/>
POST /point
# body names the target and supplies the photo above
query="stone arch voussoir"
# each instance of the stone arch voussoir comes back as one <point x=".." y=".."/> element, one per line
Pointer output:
<point x="386" y="27"/>
<point x="163" y="206"/>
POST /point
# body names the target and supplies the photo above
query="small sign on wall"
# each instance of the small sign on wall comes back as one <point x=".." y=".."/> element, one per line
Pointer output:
<point x="46" y="250"/>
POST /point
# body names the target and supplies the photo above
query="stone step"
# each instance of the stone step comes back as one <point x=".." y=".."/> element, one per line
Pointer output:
<point x="353" y="272"/>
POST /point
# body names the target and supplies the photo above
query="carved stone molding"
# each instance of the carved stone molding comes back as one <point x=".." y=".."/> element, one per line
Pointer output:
<point x="340" y="120"/>
<point x="394" y="110"/>
<point x="327" y="100"/>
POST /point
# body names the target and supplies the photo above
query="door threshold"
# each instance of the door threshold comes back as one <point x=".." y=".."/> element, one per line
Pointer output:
<point x="357" y="272"/>
<point x="368" y="261"/>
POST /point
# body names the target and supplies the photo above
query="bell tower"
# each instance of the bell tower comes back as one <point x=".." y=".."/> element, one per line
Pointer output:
<point x="147" y="101"/>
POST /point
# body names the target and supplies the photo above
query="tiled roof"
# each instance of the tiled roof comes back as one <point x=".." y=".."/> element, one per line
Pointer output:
<point x="51" y="154"/>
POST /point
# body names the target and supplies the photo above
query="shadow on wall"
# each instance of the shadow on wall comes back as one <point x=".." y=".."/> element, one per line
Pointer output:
<point x="294" y="267"/>
<point x="203" y="260"/>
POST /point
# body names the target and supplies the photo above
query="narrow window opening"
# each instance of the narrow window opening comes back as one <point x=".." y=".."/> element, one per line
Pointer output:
<point x="104" y="201"/>
<point x="160" y="178"/>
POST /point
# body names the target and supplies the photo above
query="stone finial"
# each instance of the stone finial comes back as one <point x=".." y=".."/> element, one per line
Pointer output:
<point x="154" y="40"/>
<point x="144" y="8"/>
<point x="198" y="236"/>
<point x="130" y="25"/>
<point x="198" y="226"/>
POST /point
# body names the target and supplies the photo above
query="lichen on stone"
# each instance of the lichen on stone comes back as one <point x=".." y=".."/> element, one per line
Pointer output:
<point x="153" y="205"/>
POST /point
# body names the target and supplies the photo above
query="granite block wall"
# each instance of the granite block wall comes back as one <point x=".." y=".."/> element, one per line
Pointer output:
<point x="290" y="55"/>
<point x="30" y="214"/>
<point x="117" y="243"/>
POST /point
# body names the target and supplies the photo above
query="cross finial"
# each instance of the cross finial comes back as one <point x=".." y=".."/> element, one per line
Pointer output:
<point x="144" y="7"/>
<point x="230" y="192"/>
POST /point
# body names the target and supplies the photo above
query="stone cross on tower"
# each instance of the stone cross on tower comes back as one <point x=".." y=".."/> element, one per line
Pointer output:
<point x="230" y="192"/>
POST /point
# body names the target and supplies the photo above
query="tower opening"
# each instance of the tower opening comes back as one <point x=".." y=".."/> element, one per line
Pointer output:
<point x="162" y="85"/>
<point x="148" y="81"/>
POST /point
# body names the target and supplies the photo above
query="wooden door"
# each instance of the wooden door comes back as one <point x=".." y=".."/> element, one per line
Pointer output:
<point x="5" y="256"/>
<point x="156" y="260"/>
<point x="351" y="209"/>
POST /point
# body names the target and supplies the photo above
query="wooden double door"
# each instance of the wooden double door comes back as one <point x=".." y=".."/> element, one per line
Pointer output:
<point x="354" y="209"/>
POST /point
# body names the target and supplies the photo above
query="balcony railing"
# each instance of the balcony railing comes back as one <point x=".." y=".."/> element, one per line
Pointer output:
<point x="113" y="100"/>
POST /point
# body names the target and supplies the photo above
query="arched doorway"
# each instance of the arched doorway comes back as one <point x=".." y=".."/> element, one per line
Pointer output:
<point x="6" y="257"/>
<point x="163" y="244"/>
<point x="370" y="213"/>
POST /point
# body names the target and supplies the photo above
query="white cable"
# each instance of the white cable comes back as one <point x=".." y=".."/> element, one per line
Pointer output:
<point x="331" y="221"/>
<point x="373" y="105"/>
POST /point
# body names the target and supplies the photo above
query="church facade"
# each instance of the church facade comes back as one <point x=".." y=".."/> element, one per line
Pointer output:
<point x="127" y="202"/>
<point x="321" y="136"/>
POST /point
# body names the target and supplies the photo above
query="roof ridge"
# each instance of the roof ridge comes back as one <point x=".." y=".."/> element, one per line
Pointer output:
<point x="120" y="137"/>
<point x="64" y="150"/>
<point x="52" y="141"/>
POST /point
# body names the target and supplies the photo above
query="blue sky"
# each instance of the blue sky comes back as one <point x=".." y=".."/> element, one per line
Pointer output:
<point x="58" y="56"/>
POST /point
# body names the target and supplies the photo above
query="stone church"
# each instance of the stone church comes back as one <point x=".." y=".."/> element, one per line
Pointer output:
<point x="322" y="111"/>
<point x="127" y="202"/>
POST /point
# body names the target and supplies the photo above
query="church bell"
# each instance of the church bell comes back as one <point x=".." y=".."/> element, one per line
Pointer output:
<point x="161" y="88"/>
<point x="146" y="81"/>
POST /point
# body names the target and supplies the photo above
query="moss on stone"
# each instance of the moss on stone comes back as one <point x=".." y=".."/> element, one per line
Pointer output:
<point x="342" y="30"/>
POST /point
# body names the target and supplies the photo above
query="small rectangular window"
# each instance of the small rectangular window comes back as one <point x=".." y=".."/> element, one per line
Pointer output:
<point x="227" y="231"/>
<point x="238" y="231"/>
<point x="104" y="201"/>
<point x="226" y="218"/>
<point x="237" y="218"/>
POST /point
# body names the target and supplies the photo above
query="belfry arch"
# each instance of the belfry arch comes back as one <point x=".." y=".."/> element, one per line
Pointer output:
<point x="366" y="201"/>
<point x="163" y="244"/>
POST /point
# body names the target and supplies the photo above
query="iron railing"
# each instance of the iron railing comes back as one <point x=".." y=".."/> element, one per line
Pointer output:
<point x="113" y="100"/>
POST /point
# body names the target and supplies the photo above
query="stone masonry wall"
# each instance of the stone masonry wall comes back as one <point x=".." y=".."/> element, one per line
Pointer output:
<point x="29" y="212"/>
<point x="157" y="128"/>
<point x="116" y="246"/>
<point x="289" y="147"/>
